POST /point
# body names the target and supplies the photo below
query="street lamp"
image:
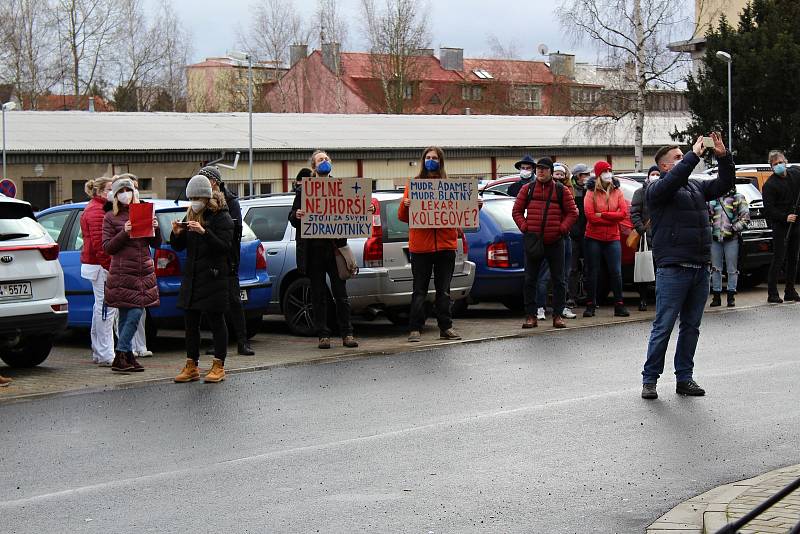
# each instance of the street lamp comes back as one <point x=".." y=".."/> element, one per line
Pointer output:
<point x="8" y="106"/>
<point x="726" y="57"/>
<point x="244" y="56"/>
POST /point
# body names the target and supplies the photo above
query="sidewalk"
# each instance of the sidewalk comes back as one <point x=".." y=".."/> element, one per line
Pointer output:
<point x="69" y="368"/>
<point x="709" y="512"/>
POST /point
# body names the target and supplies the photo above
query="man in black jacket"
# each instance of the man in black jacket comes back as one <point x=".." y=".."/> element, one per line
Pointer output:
<point x="235" y="315"/>
<point x="682" y="255"/>
<point x="781" y="193"/>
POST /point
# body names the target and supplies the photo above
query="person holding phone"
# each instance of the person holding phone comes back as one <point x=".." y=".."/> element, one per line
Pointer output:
<point x="131" y="284"/>
<point x="682" y="254"/>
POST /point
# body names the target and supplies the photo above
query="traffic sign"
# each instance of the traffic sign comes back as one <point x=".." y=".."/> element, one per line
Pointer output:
<point x="8" y="188"/>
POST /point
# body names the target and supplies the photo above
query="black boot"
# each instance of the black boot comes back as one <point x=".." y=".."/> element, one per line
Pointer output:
<point x="731" y="299"/>
<point x="642" y="305"/>
<point x="716" y="299"/>
<point x="620" y="310"/>
<point x="244" y="349"/>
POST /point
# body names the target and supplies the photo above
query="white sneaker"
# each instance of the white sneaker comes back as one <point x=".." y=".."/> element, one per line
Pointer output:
<point x="540" y="316"/>
<point x="567" y="314"/>
<point x="143" y="354"/>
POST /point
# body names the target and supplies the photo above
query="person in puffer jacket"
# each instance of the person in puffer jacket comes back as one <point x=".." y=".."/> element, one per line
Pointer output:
<point x="131" y="285"/>
<point x="95" y="264"/>
<point x="605" y="208"/>
<point x="730" y="215"/>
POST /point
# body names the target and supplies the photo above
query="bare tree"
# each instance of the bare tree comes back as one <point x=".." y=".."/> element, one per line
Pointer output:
<point x="395" y="32"/>
<point x="634" y="34"/>
<point x="499" y="50"/>
<point x="86" y="29"/>
<point x="329" y="24"/>
<point x="176" y="44"/>
<point x="274" y="26"/>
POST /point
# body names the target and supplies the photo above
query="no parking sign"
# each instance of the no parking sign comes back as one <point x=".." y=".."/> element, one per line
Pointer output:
<point x="8" y="188"/>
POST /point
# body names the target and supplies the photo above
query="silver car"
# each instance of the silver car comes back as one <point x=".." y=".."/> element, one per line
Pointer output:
<point x="384" y="282"/>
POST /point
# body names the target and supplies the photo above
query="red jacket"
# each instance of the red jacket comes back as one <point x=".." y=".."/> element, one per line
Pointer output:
<point x="559" y="218"/>
<point x="131" y="280"/>
<point x="422" y="240"/>
<point x="613" y="210"/>
<point x="92" y="252"/>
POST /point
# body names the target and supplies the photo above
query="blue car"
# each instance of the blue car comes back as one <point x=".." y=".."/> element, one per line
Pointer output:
<point x="497" y="249"/>
<point x="63" y="225"/>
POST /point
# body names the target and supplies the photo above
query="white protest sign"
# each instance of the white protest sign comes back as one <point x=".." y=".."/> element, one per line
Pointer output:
<point x="443" y="203"/>
<point x="336" y="207"/>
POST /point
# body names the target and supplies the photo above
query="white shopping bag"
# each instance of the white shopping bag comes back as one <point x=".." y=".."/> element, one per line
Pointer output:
<point x="643" y="269"/>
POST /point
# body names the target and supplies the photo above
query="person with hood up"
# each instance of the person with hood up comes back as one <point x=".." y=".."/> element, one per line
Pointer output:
<point x="605" y="208"/>
<point x="206" y="234"/>
<point x="526" y="167"/>
<point x="730" y="214"/>
<point x="640" y="217"/>
<point x="131" y="285"/>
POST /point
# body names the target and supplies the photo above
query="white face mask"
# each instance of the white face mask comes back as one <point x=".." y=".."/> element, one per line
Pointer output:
<point x="125" y="197"/>
<point x="653" y="177"/>
<point x="109" y="195"/>
<point x="606" y="177"/>
<point x="198" y="205"/>
<point x="525" y="174"/>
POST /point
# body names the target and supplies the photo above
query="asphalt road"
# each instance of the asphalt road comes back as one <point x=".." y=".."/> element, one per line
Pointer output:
<point x="545" y="434"/>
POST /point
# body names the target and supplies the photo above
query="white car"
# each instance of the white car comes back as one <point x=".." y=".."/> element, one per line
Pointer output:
<point x="33" y="308"/>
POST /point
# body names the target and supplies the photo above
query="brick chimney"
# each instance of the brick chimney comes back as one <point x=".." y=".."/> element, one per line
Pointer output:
<point x="562" y="65"/>
<point x="330" y="56"/>
<point x="452" y="59"/>
<point x="297" y="53"/>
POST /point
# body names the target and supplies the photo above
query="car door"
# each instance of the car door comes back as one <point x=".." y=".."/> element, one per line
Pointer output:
<point x="271" y="226"/>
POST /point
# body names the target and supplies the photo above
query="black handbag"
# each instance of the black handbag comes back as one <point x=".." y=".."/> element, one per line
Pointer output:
<point x="534" y="243"/>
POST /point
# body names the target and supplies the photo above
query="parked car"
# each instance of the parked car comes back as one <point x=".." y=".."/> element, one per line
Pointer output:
<point x="754" y="173"/>
<point x="384" y="282"/>
<point x="33" y="307"/>
<point x="500" y="185"/>
<point x="498" y="252"/>
<point x="63" y="225"/>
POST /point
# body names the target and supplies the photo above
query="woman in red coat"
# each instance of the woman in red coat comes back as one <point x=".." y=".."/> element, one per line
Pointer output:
<point x="94" y="267"/>
<point x="605" y="208"/>
<point x="131" y="286"/>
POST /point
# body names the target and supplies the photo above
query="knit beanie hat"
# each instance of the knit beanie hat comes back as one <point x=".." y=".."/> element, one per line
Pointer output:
<point x="198" y="187"/>
<point x="210" y="172"/>
<point x="653" y="168"/>
<point x="121" y="184"/>
<point x="600" y="167"/>
<point x="559" y="167"/>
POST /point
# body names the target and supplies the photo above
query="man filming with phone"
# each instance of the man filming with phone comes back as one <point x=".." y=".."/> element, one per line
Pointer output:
<point x="781" y="194"/>
<point x="682" y="256"/>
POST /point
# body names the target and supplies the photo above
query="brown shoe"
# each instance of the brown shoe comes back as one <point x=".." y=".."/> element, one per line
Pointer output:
<point x="4" y="381"/>
<point x="558" y="322"/>
<point x="217" y="372"/>
<point x="530" y="322"/>
<point x="349" y="341"/>
<point x="136" y="367"/>
<point x="189" y="373"/>
<point x="324" y="343"/>
<point x="121" y="363"/>
<point x="449" y="334"/>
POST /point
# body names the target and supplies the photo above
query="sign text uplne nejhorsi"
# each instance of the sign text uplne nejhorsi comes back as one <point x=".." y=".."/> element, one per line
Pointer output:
<point x="336" y="207"/>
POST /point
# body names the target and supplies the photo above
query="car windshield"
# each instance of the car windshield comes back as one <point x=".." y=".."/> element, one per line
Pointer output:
<point x="500" y="210"/>
<point x="24" y="228"/>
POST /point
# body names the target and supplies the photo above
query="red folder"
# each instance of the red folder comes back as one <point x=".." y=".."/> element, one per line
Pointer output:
<point x="141" y="220"/>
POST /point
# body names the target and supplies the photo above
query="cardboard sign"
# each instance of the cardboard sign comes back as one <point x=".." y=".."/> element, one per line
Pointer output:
<point x="336" y="208"/>
<point x="443" y="203"/>
<point x="141" y="216"/>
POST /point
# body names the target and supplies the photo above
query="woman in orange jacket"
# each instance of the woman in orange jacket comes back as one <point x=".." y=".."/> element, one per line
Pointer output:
<point x="432" y="251"/>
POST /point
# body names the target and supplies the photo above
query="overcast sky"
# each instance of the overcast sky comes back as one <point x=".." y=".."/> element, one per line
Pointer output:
<point x="456" y="23"/>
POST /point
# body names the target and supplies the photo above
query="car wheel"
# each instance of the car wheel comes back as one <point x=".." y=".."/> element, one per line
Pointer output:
<point x="29" y="353"/>
<point x="297" y="307"/>
<point x="253" y="325"/>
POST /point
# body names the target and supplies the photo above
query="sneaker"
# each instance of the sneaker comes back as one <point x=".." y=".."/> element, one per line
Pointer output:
<point x="689" y="388"/>
<point x="540" y="314"/>
<point x="530" y="322"/>
<point x="324" y="343"/>
<point x="589" y="311"/>
<point x="105" y="364"/>
<point x="449" y="334"/>
<point x="143" y="353"/>
<point x="349" y="342"/>
<point x="568" y="314"/>
<point x="649" y="391"/>
<point x="774" y="299"/>
<point x="620" y="310"/>
<point x="414" y="336"/>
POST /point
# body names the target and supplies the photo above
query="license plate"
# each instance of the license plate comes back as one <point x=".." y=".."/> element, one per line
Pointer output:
<point x="757" y="224"/>
<point x="16" y="290"/>
<point x="243" y="295"/>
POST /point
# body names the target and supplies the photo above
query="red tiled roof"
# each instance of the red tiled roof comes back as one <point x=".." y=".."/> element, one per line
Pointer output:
<point x="509" y="70"/>
<point x="359" y="65"/>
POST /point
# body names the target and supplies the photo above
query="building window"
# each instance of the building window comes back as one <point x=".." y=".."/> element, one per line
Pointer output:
<point x="145" y="184"/>
<point x="583" y="97"/>
<point x="78" y="193"/>
<point x="265" y="188"/>
<point x="471" y="92"/>
<point x="408" y="91"/>
<point x="527" y="97"/>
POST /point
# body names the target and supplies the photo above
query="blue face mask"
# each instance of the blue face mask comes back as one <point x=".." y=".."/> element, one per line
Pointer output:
<point x="431" y="165"/>
<point x="324" y="168"/>
<point x="780" y="168"/>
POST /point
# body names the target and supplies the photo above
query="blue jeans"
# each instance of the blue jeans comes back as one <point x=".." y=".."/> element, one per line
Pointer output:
<point x="727" y="251"/>
<point x="544" y="273"/>
<point x="128" y="323"/>
<point x="609" y="252"/>
<point x="680" y="291"/>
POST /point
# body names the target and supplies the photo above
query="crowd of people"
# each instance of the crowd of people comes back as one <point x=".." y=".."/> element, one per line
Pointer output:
<point x="570" y="223"/>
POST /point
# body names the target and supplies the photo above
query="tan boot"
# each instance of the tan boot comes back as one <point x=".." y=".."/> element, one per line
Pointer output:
<point x="4" y="381"/>
<point x="217" y="372"/>
<point x="190" y="372"/>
